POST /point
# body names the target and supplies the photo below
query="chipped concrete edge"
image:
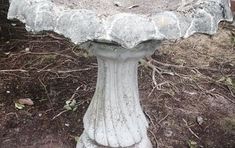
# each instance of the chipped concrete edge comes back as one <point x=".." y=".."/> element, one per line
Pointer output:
<point x="82" y="25"/>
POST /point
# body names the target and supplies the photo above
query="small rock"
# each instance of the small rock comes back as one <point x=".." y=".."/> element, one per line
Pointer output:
<point x="27" y="49"/>
<point x="200" y="120"/>
<point x="8" y="91"/>
<point x="13" y="24"/>
<point x="40" y="114"/>
<point x="66" y="124"/>
<point x="7" y="53"/>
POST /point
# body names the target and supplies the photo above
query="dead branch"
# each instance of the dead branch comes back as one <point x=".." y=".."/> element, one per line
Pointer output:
<point x="46" y="70"/>
<point x="64" y="71"/>
<point x="14" y="70"/>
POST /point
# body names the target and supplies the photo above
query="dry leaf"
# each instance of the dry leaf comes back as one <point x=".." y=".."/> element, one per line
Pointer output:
<point x="19" y="106"/>
<point x="26" y="101"/>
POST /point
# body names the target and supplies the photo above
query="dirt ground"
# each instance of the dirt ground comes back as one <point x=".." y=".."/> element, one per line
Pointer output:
<point x="187" y="89"/>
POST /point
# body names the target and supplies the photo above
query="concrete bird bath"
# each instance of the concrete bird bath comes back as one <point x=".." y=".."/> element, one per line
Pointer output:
<point x="119" y="33"/>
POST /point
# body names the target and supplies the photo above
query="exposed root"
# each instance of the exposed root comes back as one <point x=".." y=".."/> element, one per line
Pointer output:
<point x="164" y="118"/>
<point x="155" y="138"/>
<point x="198" y="76"/>
<point x="191" y="131"/>
<point x="150" y="119"/>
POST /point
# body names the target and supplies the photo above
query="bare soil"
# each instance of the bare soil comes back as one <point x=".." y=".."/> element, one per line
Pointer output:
<point x="189" y="99"/>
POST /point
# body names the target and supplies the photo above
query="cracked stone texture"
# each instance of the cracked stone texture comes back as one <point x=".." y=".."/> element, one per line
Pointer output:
<point x="125" y="22"/>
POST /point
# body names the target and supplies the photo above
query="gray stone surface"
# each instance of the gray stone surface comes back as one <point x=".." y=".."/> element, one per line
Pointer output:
<point x="114" y="118"/>
<point x="111" y="7"/>
<point x="126" y="22"/>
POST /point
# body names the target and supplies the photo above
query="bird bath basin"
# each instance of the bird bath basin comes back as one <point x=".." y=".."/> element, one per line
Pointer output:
<point x="119" y="33"/>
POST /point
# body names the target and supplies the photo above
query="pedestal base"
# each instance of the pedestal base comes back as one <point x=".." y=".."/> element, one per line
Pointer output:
<point x="85" y="142"/>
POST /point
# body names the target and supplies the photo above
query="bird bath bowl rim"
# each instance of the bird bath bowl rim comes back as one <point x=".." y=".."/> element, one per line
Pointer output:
<point x="125" y="29"/>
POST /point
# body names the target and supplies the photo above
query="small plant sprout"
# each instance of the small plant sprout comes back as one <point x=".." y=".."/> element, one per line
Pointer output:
<point x="71" y="105"/>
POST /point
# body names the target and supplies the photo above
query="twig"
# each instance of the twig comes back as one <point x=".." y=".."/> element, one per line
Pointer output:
<point x="75" y="92"/>
<point x="154" y="137"/>
<point x="13" y="70"/>
<point x="214" y="94"/>
<point x="152" y="91"/>
<point x="150" y="119"/>
<point x="45" y="67"/>
<point x="46" y="70"/>
<point x="163" y="119"/>
<point x="12" y="74"/>
<point x="168" y="65"/>
<point x="64" y="71"/>
<point x="45" y="89"/>
<point x="181" y="66"/>
<point x="75" y="70"/>
<point x="13" y="113"/>
<point x="154" y="78"/>
<point x="219" y="95"/>
<point x="55" y="37"/>
<point x="191" y="131"/>
<point x="231" y="91"/>
<point x="48" y="97"/>
<point x="153" y="73"/>
<point x="154" y="68"/>
<point x="64" y="111"/>
<point x="158" y="87"/>
<point x="48" y="53"/>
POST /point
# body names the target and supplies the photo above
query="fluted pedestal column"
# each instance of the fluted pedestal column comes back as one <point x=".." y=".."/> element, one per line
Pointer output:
<point x="114" y="118"/>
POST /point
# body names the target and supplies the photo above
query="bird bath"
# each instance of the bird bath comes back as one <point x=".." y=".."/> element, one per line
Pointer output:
<point x="119" y="33"/>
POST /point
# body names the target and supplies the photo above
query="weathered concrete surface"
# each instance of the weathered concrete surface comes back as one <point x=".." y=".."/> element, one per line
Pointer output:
<point x="119" y="20"/>
<point x="115" y="118"/>
<point x="134" y="28"/>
